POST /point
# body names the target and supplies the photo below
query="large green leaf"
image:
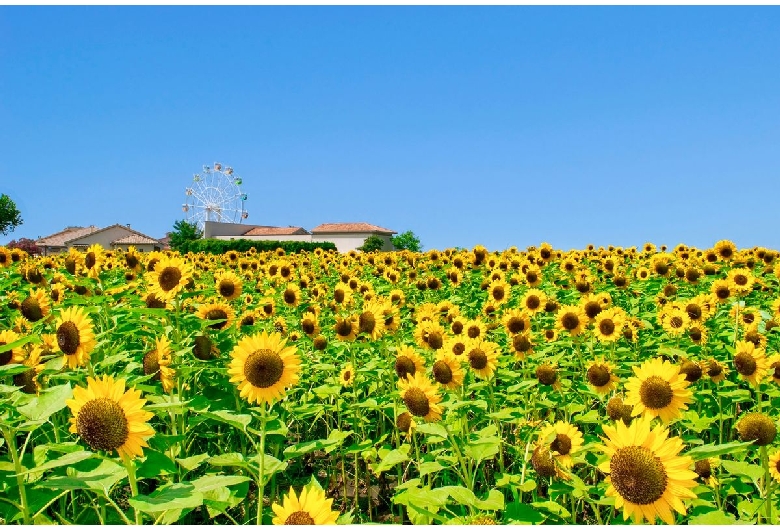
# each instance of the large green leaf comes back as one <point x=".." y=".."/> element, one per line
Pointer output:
<point x="751" y="471"/>
<point x="710" y="450"/>
<point x="155" y="464"/>
<point x="102" y="478"/>
<point x="47" y="403"/>
<point x="65" y="460"/>
<point x="239" y="421"/>
<point x="169" y="497"/>
<point x="521" y="513"/>
<point x="391" y="459"/>
<point x="714" y="518"/>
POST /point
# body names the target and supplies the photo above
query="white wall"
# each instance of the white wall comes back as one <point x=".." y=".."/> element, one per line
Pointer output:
<point x="103" y="238"/>
<point x="347" y="242"/>
<point x="213" y="229"/>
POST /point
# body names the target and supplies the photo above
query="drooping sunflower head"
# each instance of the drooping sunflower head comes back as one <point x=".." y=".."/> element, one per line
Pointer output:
<point x="647" y="476"/>
<point x="346" y="328"/>
<point x="221" y="313"/>
<point x="156" y="362"/>
<point x="547" y="375"/>
<point x="447" y="370"/>
<point x="522" y="345"/>
<point x="75" y="335"/>
<point x="108" y="418"/>
<point x="715" y="370"/>
<point x="601" y="376"/>
<point x="430" y="334"/>
<point x="617" y="410"/>
<point x="757" y="427"/>
<point x="658" y="389"/>
<point x="420" y="397"/>
<point x="264" y="367"/>
<point x="14" y="355"/>
<point x="311" y="508"/>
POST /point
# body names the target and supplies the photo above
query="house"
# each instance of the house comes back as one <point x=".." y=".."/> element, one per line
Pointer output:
<point x="111" y="237"/>
<point x="346" y="236"/>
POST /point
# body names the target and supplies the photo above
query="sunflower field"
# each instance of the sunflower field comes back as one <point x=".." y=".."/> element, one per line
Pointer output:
<point x="599" y="386"/>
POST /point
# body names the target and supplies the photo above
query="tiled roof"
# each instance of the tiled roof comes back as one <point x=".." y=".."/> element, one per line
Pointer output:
<point x="276" y="231"/>
<point x="123" y="227"/>
<point x="331" y="228"/>
<point x="135" y="239"/>
<point x="59" y="239"/>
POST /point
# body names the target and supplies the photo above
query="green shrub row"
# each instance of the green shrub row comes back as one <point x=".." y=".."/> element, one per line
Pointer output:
<point x="220" y="246"/>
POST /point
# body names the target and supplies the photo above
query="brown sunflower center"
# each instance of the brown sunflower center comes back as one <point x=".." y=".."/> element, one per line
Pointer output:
<point x="68" y="338"/>
<point x="543" y="462"/>
<point x="290" y="296"/>
<point x="403" y="421"/>
<point x="515" y="325"/>
<point x="722" y="292"/>
<point x="347" y="375"/>
<point x="404" y="366"/>
<point x="757" y="426"/>
<point x="26" y="380"/>
<point x="703" y="468"/>
<point x="31" y="309"/>
<point x="89" y="260"/>
<point x="169" y="278"/>
<point x="367" y="322"/>
<point x="102" y="424"/>
<point x="344" y="328"/>
<point x="592" y="309"/>
<point x="477" y="359"/>
<point x="5" y="357"/>
<point x="570" y="321"/>
<point x="521" y="343"/>
<point x="533" y="302"/>
<point x="338" y="295"/>
<point x="638" y="475"/>
<point x="263" y="368"/>
<point x="695" y="334"/>
<point x="498" y="293"/>
<point x="546" y="374"/>
<point x="607" y="327"/>
<point x="676" y="322"/>
<point x="151" y="364"/>
<point x="655" y="392"/>
<point x="202" y="348"/>
<point x="442" y="373"/>
<point x="692" y="371"/>
<point x="417" y="402"/>
<point x="268" y="309"/>
<point x="308" y="326"/>
<point x="745" y="364"/>
<point x="226" y="288"/>
<point x="131" y="261"/>
<point x="599" y="375"/>
<point x="473" y="332"/>
<point x="299" y="517"/>
<point x="562" y="444"/>
<point x="714" y="369"/>
<point x="435" y="340"/>
<point x="217" y="314"/>
<point x="740" y="279"/>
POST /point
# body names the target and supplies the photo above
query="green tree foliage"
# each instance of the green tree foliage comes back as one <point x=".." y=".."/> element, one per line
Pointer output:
<point x="10" y="217"/>
<point x="220" y="246"/>
<point x="407" y="241"/>
<point x="184" y="231"/>
<point x="372" y="243"/>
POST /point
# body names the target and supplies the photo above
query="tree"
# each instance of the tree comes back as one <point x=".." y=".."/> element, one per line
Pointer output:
<point x="407" y="241"/>
<point x="26" y="244"/>
<point x="372" y="243"/>
<point x="184" y="231"/>
<point x="10" y="217"/>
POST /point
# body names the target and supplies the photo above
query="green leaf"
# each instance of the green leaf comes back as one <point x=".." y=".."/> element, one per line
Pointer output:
<point x="155" y="464"/>
<point x="228" y="459"/>
<point x="751" y="471"/>
<point x="710" y="450"/>
<point x="494" y="501"/>
<point x="271" y="464"/>
<point x="47" y="403"/>
<point x="102" y="478"/>
<point x="65" y="460"/>
<point x="483" y="449"/>
<point x="434" y="429"/>
<point x="239" y="421"/>
<point x="717" y="517"/>
<point x="173" y="497"/>
<point x="192" y="462"/>
<point x="210" y="482"/>
<point x="427" y="468"/>
<point x="389" y="460"/>
<point x="552" y="507"/>
<point x="459" y="494"/>
<point x="522" y="513"/>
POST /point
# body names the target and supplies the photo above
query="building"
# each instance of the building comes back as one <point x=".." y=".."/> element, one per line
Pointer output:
<point x="111" y="237"/>
<point x="346" y="236"/>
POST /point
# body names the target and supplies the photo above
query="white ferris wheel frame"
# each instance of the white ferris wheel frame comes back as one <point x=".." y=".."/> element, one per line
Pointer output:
<point x="215" y="195"/>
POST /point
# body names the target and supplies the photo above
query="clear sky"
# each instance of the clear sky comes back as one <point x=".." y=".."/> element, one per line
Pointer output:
<point x="497" y="126"/>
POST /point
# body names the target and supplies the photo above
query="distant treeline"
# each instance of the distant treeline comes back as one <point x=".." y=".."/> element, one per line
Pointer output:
<point x="220" y="246"/>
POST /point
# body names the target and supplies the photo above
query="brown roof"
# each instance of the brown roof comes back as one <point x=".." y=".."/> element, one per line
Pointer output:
<point x="135" y="239"/>
<point x="59" y="239"/>
<point x="276" y="231"/>
<point x="124" y="227"/>
<point x="331" y="228"/>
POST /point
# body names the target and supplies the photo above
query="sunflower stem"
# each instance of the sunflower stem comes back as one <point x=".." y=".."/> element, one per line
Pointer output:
<point x="261" y="478"/>
<point x="767" y="484"/>
<point x="128" y="461"/>
<point x="10" y="438"/>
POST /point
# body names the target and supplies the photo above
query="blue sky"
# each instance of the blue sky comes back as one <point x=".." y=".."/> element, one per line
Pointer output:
<point x="497" y="126"/>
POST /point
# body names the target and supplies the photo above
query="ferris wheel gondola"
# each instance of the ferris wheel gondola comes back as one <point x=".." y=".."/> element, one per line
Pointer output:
<point x="215" y="195"/>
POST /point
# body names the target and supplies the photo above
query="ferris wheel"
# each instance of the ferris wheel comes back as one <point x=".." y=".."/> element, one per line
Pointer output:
<point x="215" y="195"/>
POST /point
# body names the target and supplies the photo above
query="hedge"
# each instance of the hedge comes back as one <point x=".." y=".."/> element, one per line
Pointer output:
<point x="220" y="246"/>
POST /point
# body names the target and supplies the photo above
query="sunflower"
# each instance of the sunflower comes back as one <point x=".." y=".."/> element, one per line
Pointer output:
<point x="674" y="320"/>
<point x="608" y="325"/>
<point x="5" y="257"/>
<point x="455" y="345"/>
<point x="564" y="440"/>
<point x="617" y="410"/>
<point x="430" y="334"/>
<point x="218" y="311"/>
<point x="291" y="296"/>
<point x="14" y="355"/>
<point x="550" y="335"/>
<point x="407" y="362"/>
<point x="571" y="318"/>
<point x="406" y="424"/>
<point x="157" y="363"/>
<point x="75" y="336"/>
<point x="36" y="306"/>
<point x="421" y="397"/>
<point x="499" y="292"/>
<point x="517" y="321"/>
<point x="342" y="294"/>
<point x="266" y="307"/>
<point x="722" y="290"/>
<point x="346" y="328"/>
<point x="741" y="280"/>
<point x="170" y="275"/>
<point x="647" y="476"/>
<point x="715" y="370"/>
<point x="28" y="381"/>
<point x="522" y="345"/>
<point x="703" y="469"/>
<point x="533" y="301"/>
<point x="774" y="367"/>
<point x="371" y="320"/>
<point x="310" y="324"/>
<point x="724" y="250"/>
<point x="204" y="348"/>
<point x="229" y="286"/>
<point x="774" y="465"/>
<point x="601" y="376"/>
<point x="547" y="374"/>
<point x="757" y="427"/>
<point x="658" y="389"/>
<point x="750" y="362"/>
<point x="109" y="419"/>
<point x="482" y="356"/>
<point x="264" y="366"/>
<point x="311" y="508"/>
<point x="692" y="370"/>
<point x="347" y="376"/>
<point x="447" y="371"/>
<point x="474" y="329"/>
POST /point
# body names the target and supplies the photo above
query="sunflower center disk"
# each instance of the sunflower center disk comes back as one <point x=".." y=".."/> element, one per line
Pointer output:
<point x="226" y="288"/>
<point x="703" y="468"/>
<point x="26" y="380"/>
<point x="498" y="293"/>
<point x="598" y="375"/>
<point x="404" y="366"/>
<point x="89" y="260"/>
<point x="607" y="327"/>
<point x="344" y="328"/>
<point x="592" y="309"/>
<point x="442" y="373"/>
<point x="521" y="343"/>
<point x="68" y="337"/>
<point x="151" y="363"/>
<point x="169" y="278"/>
<point x="477" y="359"/>
<point x="435" y="340"/>
<point x="417" y="402"/>
<point x="299" y="518"/>
<point x="543" y="462"/>
<point x="102" y="424"/>
<point x="515" y="325"/>
<point x="533" y="302"/>
<point x="570" y="321"/>
<point x="217" y="314"/>
<point x="758" y="427"/>
<point x="404" y="421"/>
<point x="676" y="322"/>
<point x="745" y="364"/>
<point x="31" y="310"/>
<point x="289" y="296"/>
<point x="562" y="444"/>
<point x="638" y="475"/>
<point x="263" y="368"/>
<point x="307" y="326"/>
<point x="655" y="393"/>
<point x="5" y="357"/>
<point x="546" y="375"/>
<point x="367" y="322"/>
